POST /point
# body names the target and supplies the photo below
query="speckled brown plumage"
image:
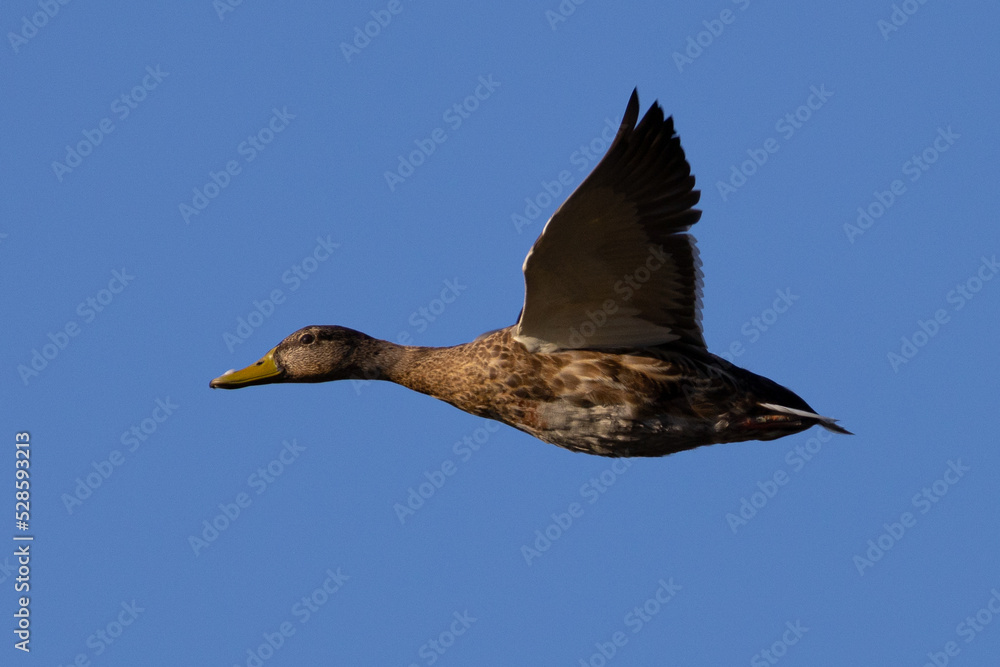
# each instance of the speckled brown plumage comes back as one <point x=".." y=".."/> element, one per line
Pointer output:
<point x="607" y="356"/>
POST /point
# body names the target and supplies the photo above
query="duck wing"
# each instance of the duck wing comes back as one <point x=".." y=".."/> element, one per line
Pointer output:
<point x="613" y="267"/>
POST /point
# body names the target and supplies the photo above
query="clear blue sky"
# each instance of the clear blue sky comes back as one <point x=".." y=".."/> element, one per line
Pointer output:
<point x="182" y="188"/>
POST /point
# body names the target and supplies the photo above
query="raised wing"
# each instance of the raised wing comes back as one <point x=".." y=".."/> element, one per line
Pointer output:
<point x="612" y="268"/>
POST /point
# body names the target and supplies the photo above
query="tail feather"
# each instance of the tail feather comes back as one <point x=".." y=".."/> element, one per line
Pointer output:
<point x="828" y="423"/>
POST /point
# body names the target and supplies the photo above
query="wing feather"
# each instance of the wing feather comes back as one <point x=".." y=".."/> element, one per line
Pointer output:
<point x="613" y="266"/>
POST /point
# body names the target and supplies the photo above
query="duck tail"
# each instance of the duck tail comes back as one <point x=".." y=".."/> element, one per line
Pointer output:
<point x="828" y="423"/>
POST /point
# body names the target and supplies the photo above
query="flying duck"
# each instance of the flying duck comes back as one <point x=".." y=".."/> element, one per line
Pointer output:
<point x="607" y="356"/>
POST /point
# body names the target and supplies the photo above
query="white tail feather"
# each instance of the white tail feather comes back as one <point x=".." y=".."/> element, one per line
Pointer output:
<point x="826" y="422"/>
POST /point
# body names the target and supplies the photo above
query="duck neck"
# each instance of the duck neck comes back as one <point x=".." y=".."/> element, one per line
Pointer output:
<point x="436" y="371"/>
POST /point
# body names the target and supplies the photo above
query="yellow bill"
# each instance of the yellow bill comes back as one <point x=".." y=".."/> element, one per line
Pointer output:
<point x="263" y="372"/>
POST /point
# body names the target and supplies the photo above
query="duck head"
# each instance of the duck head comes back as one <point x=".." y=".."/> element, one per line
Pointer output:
<point x="311" y="354"/>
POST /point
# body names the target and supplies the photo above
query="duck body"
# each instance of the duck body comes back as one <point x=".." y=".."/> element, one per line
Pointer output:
<point x="629" y="402"/>
<point x="607" y="356"/>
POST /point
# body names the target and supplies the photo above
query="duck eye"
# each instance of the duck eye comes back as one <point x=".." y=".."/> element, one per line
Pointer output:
<point x="307" y="339"/>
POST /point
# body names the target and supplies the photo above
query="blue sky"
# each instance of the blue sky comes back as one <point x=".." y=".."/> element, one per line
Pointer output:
<point x="186" y="185"/>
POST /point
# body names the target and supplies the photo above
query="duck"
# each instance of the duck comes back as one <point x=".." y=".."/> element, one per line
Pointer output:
<point x="607" y="356"/>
